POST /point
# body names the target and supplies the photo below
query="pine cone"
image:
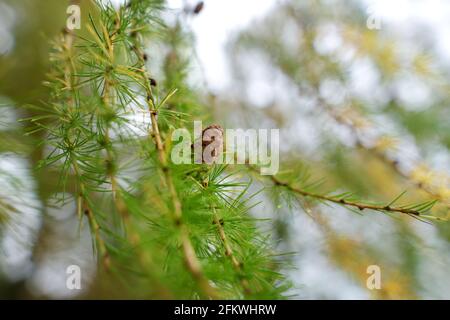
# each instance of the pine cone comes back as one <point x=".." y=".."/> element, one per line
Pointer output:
<point x="211" y="134"/>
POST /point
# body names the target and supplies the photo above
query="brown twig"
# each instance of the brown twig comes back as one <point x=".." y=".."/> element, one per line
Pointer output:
<point x="230" y="254"/>
<point x="358" y="205"/>
<point x="84" y="208"/>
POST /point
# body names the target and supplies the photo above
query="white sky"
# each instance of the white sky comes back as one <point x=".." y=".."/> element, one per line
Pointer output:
<point x="213" y="27"/>
<point x="221" y="18"/>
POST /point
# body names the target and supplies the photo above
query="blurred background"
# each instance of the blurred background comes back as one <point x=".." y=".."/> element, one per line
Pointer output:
<point x="360" y="91"/>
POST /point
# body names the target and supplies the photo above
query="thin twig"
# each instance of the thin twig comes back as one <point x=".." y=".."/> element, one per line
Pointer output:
<point x="358" y="205"/>
<point x="230" y="254"/>
<point x="84" y="208"/>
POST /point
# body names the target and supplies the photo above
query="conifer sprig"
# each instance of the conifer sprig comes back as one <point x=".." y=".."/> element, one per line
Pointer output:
<point x="346" y="200"/>
<point x="192" y="262"/>
<point x="82" y="200"/>
<point x="229" y="252"/>
<point x="152" y="223"/>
